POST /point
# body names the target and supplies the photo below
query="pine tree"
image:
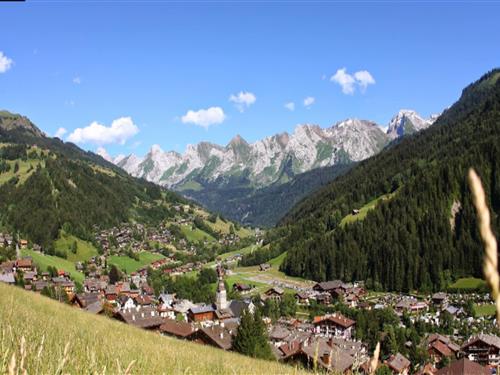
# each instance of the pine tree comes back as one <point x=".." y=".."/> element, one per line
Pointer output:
<point x="251" y="338"/>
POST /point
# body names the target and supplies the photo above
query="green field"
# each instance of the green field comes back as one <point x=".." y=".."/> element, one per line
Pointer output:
<point x="364" y="210"/>
<point x="85" y="250"/>
<point x="96" y="344"/>
<point x="22" y="173"/>
<point x="485" y="310"/>
<point x="43" y="261"/>
<point x="223" y="227"/>
<point x="196" y="234"/>
<point x="468" y="283"/>
<point x="130" y="265"/>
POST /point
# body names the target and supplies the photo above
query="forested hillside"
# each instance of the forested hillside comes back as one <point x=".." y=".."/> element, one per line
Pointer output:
<point x="46" y="185"/>
<point x="416" y="227"/>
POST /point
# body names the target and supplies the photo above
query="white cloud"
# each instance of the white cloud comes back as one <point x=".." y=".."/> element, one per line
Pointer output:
<point x="102" y="152"/>
<point x="364" y="78"/>
<point x="345" y="80"/>
<point x="120" y="131"/>
<point x="290" y="106"/>
<point x="204" y="117"/>
<point x="60" y="132"/>
<point x="309" y="101"/>
<point x="348" y="82"/>
<point x="77" y="80"/>
<point x="243" y="100"/>
<point x="5" y="63"/>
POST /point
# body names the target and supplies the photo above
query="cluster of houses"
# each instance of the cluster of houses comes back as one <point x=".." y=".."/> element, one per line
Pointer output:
<point x="325" y="293"/>
<point x="132" y="236"/>
<point x="25" y="269"/>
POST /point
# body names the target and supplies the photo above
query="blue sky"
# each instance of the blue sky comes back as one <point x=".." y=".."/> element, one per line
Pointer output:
<point x="135" y="69"/>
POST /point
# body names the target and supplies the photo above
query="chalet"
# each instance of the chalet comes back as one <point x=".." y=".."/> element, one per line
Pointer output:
<point x="111" y="293"/>
<point x="96" y="307"/>
<point x="219" y="336"/>
<point x="29" y="276"/>
<point x="8" y="240"/>
<point x="264" y="267"/>
<point x="181" y="330"/>
<point x="464" y="367"/>
<point x="334" y="325"/>
<point x="125" y="302"/>
<point x="351" y="300"/>
<point x="166" y="300"/>
<point x="302" y="298"/>
<point x="143" y="301"/>
<point x="273" y="293"/>
<point x="24" y="264"/>
<point x="146" y="317"/>
<point x="439" y="299"/>
<point x="286" y="350"/>
<point x="483" y="349"/>
<point x="324" y="298"/>
<point x="7" y="278"/>
<point x="237" y="307"/>
<point x="201" y="313"/>
<point x="242" y="288"/>
<point x="82" y="300"/>
<point x="328" y="286"/>
<point x="39" y="285"/>
<point x="278" y="335"/>
<point x="398" y="364"/>
<point x="65" y="284"/>
<point x="94" y="285"/>
<point x="320" y="354"/>
<point x="439" y="346"/>
<point x="7" y="267"/>
<point x="147" y="290"/>
<point x="23" y="244"/>
<point x="411" y="305"/>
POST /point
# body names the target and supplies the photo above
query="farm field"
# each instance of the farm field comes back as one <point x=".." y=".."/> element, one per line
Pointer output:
<point x="130" y="265"/>
<point x="44" y="261"/>
<point x="485" y="310"/>
<point x="84" y="252"/>
<point x="363" y="211"/>
<point x="468" y="283"/>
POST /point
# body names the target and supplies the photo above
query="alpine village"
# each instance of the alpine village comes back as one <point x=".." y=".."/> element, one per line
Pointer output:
<point x="361" y="248"/>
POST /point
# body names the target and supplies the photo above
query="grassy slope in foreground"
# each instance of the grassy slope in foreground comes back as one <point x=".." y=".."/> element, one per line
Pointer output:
<point x="97" y="343"/>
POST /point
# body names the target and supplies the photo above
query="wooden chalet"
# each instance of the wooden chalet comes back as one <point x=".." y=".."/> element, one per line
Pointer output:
<point x="483" y="349"/>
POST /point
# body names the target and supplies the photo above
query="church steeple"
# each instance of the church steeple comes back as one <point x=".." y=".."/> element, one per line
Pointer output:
<point x="221" y="295"/>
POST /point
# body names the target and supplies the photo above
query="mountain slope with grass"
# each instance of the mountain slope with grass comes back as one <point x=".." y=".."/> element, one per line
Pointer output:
<point x="403" y="219"/>
<point x="66" y="340"/>
<point x="47" y="185"/>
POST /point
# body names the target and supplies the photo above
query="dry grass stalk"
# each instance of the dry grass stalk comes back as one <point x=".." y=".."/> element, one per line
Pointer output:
<point x="490" y="263"/>
<point x="12" y="364"/>
<point x="63" y="360"/>
<point x="129" y="368"/>
<point x="374" y="359"/>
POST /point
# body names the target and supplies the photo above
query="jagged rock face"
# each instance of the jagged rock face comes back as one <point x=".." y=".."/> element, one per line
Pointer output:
<point x="272" y="159"/>
<point x="408" y="122"/>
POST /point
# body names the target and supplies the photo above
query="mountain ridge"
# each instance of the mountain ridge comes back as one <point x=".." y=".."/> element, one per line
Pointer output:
<point x="309" y="146"/>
